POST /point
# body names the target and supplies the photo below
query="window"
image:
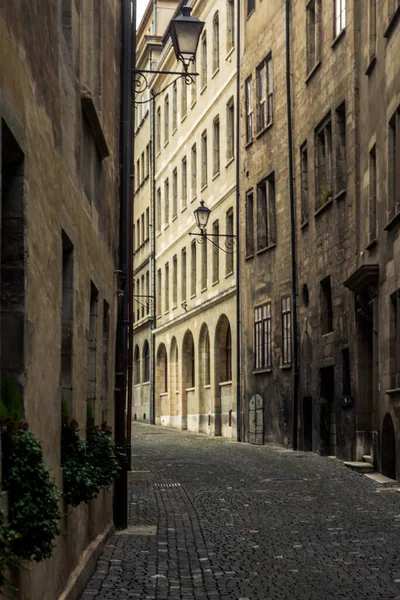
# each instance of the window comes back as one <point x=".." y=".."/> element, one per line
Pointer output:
<point x="249" y="109"/>
<point x="228" y="355"/>
<point x="105" y="379"/>
<point x="136" y="371"/>
<point x="251" y="5"/>
<point x="229" y="242"/>
<point x="313" y="33"/>
<point x="230" y="25"/>
<point x="147" y="223"/>
<point x="138" y="173"/>
<point x="372" y="192"/>
<point x="183" y="98"/>
<point x="184" y="182"/>
<point x="266" y="216"/>
<point x="90" y="163"/>
<point x="174" y="193"/>
<point x="67" y="305"/>
<point x="394" y="165"/>
<point x="143" y="229"/>
<point x="183" y="275"/>
<point x="138" y="232"/>
<point x="340" y="148"/>
<point x="326" y="306"/>
<point x="142" y="165"/>
<point x="346" y="373"/>
<point x="138" y="299"/>
<point x="147" y="160"/>
<point x="147" y="292"/>
<point x="394" y="340"/>
<point x="166" y="202"/>
<point x="203" y="74"/>
<point x="372" y="28"/>
<point x="215" y="56"/>
<point x="204" y="264"/>
<point x="158" y="130"/>
<point x="174" y="281"/>
<point x="194" y="274"/>
<point x="286" y="331"/>
<point x="265" y="93"/>
<point x="207" y="362"/>
<point x="143" y="299"/>
<point x="323" y="163"/>
<point x="230" y="130"/>
<point x="340" y="16"/>
<point x="158" y="210"/>
<point x="174" y="106"/>
<point x="166" y="288"/>
<point x="166" y="119"/>
<point x="193" y="86"/>
<point x="263" y="336"/>
<point x="146" y="361"/>
<point x="203" y="159"/>
<point x="133" y="237"/>
<point x="216" y="152"/>
<point x="215" y="254"/>
<point x="249" y="223"/>
<point x="194" y="171"/>
<point x="304" y="182"/>
<point x="159" y="293"/>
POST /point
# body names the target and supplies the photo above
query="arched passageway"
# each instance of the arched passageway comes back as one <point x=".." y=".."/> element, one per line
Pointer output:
<point x="189" y="408"/>
<point x="223" y="399"/>
<point x="161" y="396"/>
<point x="204" y="378"/>
<point x="174" y="396"/>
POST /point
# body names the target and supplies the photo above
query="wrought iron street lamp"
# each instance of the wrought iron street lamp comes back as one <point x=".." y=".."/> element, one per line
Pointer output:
<point x="185" y="32"/>
<point x="201" y="216"/>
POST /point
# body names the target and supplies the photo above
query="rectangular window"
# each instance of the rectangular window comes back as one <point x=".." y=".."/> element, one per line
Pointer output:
<point x="346" y="373"/>
<point x="263" y="336"/>
<point x="204" y="264"/>
<point x="230" y="130"/>
<point x="138" y="232"/>
<point x="215" y="57"/>
<point x="340" y="16"/>
<point x="166" y="119"/>
<point x="166" y="288"/>
<point x="193" y="165"/>
<point x="394" y="340"/>
<point x="229" y="242"/>
<point x="143" y="229"/>
<point x="174" y="281"/>
<point x="147" y="223"/>
<point x="138" y="300"/>
<point x="105" y="385"/>
<point x="158" y="130"/>
<point x="286" y="331"/>
<point x="266" y="213"/>
<point x="92" y="349"/>
<point x="251" y="5"/>
<point x="215" y="253"/>
<point x="138" y="173"/>
<point x="249" y="109"/>
<point x="174" y="193"/>
<point x="134" y="236"/>
<point x="194" y="272"/>
<point x="249" y="223"/>
<point x="148" y="300"/>
<point x="326" y="306"/>
<point x="183" y="99"/>
<point x="304" y="182"/>
<point x="372" y="194"/>
<point x="203" y="159"/>
<point x="159" y="308"/>
<point x="166" y="202"/>
<point x="174" y="106"/>
<point x="340" y="148"/>
<point x="372" y="28"/>
<point x="216" y="150"/>
<point x="184" y="182"/>
<point x="158" y="210"/>
<point x="193" y="86"/>
<point x="67" y="318"/>
<point x="142" y="165"/>
<point x="183" y="275"/>
<point x="313" y="18"/>
<point x="203" y="74"/>
<point x="147" y="160"/>
<point x="230" y="25"/>
<point x="143" y="300"/>
<point x="323" y="163"/>
<point x="265" y="93"/>
<point x="394" y="165"/>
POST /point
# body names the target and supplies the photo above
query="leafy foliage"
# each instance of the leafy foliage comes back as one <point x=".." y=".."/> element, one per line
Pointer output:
<point x="11" y="404"/>
<point x="103" y="455"/>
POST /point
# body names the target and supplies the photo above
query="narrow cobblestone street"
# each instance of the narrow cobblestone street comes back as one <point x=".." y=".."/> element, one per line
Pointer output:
<point x="212" y="519"/>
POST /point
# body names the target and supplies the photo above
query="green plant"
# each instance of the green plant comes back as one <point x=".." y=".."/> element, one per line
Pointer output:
<point x="103" y="455"/>
<point x="79" y="478"/>
<point x="65" y="414"/>
<point x="325" y="194"/>
<point x="11" y="404"/>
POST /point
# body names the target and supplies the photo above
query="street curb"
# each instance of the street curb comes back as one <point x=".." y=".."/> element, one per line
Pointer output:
<point x="87" y="564"/>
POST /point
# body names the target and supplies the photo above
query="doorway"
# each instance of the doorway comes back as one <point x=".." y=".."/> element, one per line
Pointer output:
<point x="328" y="412"/>
<point x="307" y="424"/>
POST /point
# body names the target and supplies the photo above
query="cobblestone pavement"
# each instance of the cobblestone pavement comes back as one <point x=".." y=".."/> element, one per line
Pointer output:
<point x="239" y="522"/>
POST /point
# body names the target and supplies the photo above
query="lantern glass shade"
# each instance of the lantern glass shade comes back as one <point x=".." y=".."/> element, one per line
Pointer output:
<point x="185" y="34"/>
<point x="201" y="216"/>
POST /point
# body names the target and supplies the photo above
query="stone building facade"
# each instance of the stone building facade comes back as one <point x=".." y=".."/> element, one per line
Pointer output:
<point x="344" y="90"/>
<point x="195" y="284"/>
<point x="59" y="181"/>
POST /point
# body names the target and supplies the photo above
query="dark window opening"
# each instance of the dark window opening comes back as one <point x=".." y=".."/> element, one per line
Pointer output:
<point x="326" y="306"/>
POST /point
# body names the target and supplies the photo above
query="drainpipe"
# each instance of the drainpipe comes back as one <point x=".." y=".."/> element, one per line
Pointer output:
<point x="238" y="304"/>
<point x="153" y="255"/>
<point x="292" y="231"/>
<point x="125" y="262"/>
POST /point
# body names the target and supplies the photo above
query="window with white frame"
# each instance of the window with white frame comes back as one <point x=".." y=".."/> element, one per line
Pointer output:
<point x="265" y="93"/>
<point x="340" y="16"/>
<point x="249" y="108"/>
<point x="215" y="55"/>
<point x="203" y="74"/>
<point x="266" y="215"/>
<point x="230" y="25"/>
<point x="286" y="331"/>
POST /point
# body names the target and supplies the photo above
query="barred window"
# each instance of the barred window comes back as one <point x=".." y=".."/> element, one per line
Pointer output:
<point x="263" y="336"/>
<point x="286" y="331"/>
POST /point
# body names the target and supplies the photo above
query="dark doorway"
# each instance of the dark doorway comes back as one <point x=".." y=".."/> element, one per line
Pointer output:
<point x="388" y="448"/>
<point x="307" y="424"/>
<point x="328" y="411"/>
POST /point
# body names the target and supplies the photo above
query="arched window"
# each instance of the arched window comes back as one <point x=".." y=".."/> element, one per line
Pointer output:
<point x="136" y="365"/>
<point x="228" y="354"/>
<point x="146" y="360"/>
<point x="207" y="375"/>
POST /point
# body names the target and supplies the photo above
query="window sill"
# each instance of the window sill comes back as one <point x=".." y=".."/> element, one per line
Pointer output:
<point x="327" y="333"/>
<point x="203" y="89"/>
<point x="174" y="218"/>
<point x="304" y="224"/>
<point x="174" y="307"/>
<point x="228" y="274"/>
<point x="230" y="160"/>
<point x="337" y="39"/>
<point x="166" y="226"/>
<point x="215" y="176"/>
<point x="166" y="143"/>
<point x="192" y="296"/>
<point x="184" y="208"/>
<point x="175" y="129"/>
<point x="216" y="282"/>
<point x="372" y="244"/>
<point x="225" y="383"/>
<point x="371" y="65"/>
<point x="393" y="391"/>
<point x="250" y="13"/>
<point x="286" y="367"/>
<point x="215" y="73"/>
<point x="158" y="234"/>
<point x="204" y="289"/>
<point x="207" y="386"/>
<point x="323" y="207"/>
<point x="263" y="130"/>
<point x="184" y="118"/>
<point x="392" y="23"/>
<point x="312" y="72"/>
<point x="230" y="52"/>
<point x="262" y="250"/>
<point x="191" y="389"/>
<point x="393" y="221"/>
<point x="249" y="256"/>
<point x="158" y="153"/>
<point x="166" y="312"/>
<point x="163" y="394"/>
<point x="193" y="198"/>
<point x="203" y="187"/>
<point x="248" y="144"/>
<point x="340" y="195"/>
<point x="193" y="104"/>
<point x="261" y="371"/>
